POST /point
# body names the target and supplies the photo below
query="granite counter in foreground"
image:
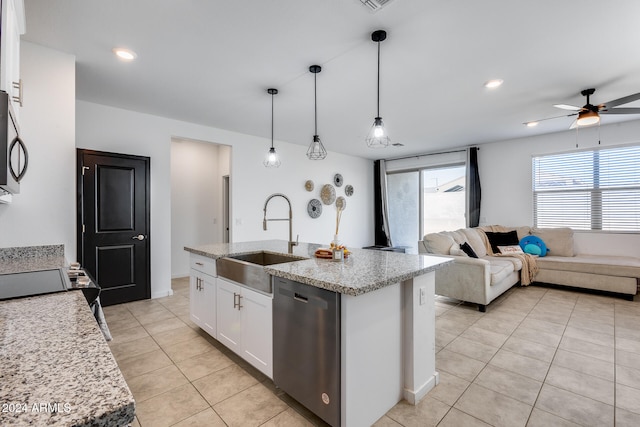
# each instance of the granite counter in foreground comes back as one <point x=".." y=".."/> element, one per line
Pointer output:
<point x="365" y="270"/>
<point x="54" y="357"/>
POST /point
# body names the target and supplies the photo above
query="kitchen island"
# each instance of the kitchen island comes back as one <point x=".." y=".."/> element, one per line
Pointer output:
<point x="387" y="330"/>
<point x="56" y="368"/>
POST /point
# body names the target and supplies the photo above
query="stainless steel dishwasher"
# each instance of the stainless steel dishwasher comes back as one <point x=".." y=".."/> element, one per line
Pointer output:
<point x="306" y="346"/>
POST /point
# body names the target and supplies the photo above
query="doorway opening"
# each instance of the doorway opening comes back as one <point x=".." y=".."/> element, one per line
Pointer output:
<point x="200" y="176"/>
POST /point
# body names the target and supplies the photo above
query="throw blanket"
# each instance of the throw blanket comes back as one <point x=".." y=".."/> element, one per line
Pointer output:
<point x="529" y="264"/>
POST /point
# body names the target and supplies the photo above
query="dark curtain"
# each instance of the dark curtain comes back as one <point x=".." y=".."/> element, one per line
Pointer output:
<point x="474" y="192"/>
<point x="379" y="199"/>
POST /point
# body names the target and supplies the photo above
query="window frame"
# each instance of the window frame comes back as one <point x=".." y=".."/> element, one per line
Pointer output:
<point x="597" y="209"/>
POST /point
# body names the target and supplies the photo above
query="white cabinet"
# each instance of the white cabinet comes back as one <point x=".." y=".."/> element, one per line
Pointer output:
<point x="202" y="289"/>
<point x="245" y="324"/>
<point x="203" y="301"/>
<point x="12" y="26"/>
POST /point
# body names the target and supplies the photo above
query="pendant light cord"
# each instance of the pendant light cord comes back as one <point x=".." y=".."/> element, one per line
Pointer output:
<point x="272" y="120"/>
<point x="315" y="101"/>
<point x="378" y="79"/>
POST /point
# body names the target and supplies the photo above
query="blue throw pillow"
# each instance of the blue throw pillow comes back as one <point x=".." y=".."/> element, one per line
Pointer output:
<point x="533" y="245"/>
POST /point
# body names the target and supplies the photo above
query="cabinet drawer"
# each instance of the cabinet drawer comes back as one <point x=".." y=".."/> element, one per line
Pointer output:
<point x="203" y="264"/>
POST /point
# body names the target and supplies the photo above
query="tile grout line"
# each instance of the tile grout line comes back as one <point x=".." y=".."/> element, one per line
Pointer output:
<point x="487" y="363"/>
<point x="544" y="381"/>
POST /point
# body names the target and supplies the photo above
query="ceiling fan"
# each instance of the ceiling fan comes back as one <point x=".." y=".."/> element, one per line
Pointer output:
<point x="590" y="114"/>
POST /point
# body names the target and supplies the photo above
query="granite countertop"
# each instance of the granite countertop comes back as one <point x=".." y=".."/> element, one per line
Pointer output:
<point x="31" y="258"/>
<point x="363" y="271"/>
<point x="53" y="356"/>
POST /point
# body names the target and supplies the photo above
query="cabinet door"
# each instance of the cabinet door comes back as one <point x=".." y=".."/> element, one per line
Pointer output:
<point x="195" y="298"/>
<point x="10" y="50"/>
<point x="207" y="304"/>
<point x="228" y="314"/>
<point x="257" y="333"/>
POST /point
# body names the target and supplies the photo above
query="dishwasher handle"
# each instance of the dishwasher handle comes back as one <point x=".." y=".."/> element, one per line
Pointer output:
<point x="312" y="300"/>
<point x="301" y="298"/>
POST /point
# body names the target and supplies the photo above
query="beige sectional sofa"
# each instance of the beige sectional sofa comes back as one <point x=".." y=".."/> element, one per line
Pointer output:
<point x="481" y="280"/>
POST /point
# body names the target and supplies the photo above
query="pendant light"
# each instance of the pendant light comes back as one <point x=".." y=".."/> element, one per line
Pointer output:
<point x="316" y="150"/>
<point x="272" y="160"/>
<point x="377" y="137"/>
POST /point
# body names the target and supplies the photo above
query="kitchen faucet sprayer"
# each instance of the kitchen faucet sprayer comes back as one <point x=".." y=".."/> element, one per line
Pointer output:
<point x="290" y="243"/>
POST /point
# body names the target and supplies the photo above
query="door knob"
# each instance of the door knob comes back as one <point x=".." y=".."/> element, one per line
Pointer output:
<point x="139" y="237"/>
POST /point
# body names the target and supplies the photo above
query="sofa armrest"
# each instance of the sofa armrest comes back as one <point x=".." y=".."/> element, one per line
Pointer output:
<point x="466" y="279"/>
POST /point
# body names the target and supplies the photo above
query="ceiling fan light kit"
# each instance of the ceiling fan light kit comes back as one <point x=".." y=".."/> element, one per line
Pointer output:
<point x="272" y="160"/>
<point x="378" y="136"/>
<point x="316" y="150"/>
<point x="590" y="114"/>
<point x="587" y="118"/>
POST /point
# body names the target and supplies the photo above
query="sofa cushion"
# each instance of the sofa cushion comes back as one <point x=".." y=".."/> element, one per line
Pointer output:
<point x="516" y="262"/>
<point x="593" y="264"/>
<point x="499" y="269"/>
<point x="502" y="239"/>
<point x="475" y="240"/>
<point x="559" y="241"/>
<point x="467" y="249"/>
<point x="438" y="243"/>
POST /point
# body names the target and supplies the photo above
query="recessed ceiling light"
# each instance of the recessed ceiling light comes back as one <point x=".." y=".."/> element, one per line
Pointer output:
<point x="531" y="124"/>
<point x="492" y="84"/>
<point x="124" y="54"/>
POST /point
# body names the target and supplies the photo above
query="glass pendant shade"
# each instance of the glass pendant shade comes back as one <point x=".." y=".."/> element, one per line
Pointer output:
<point x="377" y="137"/>
<point x="316" y="150"/>
<point x="272" y="160"/>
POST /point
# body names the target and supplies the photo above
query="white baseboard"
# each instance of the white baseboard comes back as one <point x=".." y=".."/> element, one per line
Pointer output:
<point x="162" y="294"/>
<point x="415" y="396"/>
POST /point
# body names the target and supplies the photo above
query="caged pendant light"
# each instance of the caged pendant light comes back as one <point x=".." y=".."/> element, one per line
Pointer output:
<point x="316" y="150"/>
<point x="272" y="160"/>
<point x="378" y="137"/>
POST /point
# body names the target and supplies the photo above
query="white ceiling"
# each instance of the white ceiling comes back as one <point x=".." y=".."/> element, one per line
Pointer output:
<point x="211" y="61"/>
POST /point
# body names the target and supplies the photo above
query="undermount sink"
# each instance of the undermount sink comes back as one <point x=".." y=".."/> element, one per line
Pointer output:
<point x="248" y="270"/>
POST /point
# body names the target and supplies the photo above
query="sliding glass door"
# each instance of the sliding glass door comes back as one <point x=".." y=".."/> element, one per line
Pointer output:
<point x="426" y="200"/>
<point x="444" y="198"/>
<point x="403" y="192"/>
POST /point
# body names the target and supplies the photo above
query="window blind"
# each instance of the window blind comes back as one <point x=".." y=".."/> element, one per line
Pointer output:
<point x="596" y="189"/>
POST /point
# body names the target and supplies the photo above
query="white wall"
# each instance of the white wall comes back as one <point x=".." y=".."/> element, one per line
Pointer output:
<point x="44" y="212"/>
<point x="505" y="176"/>
<point x="196" y="198"/>
<point x="116" y="130"/>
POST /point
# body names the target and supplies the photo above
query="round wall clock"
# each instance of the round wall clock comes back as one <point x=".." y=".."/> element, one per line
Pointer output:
<point x="337" y="180"/>
<point x="348" y="190"/>
<point x="314" y="208"/>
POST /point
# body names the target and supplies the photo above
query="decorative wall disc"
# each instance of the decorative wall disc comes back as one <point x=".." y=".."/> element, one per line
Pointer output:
<point x="314" y="208"/>
<point x="328" y="194"/>
<point x="348" y="190"/>
<point x="337" y="180"/>
<point x="341" y="203"/>
<point x="308" y="185"/>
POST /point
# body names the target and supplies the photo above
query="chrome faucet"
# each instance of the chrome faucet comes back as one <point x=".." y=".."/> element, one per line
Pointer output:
<point x="290" y="243"/>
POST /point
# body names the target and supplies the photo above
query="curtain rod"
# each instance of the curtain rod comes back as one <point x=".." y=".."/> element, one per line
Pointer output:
<point x="417" y="156"/>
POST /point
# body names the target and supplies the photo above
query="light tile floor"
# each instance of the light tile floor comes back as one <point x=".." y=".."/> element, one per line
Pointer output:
<point x="537" y="357"/>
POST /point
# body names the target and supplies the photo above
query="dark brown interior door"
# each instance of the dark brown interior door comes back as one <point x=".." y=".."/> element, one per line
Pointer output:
<point x="113" y="224"/>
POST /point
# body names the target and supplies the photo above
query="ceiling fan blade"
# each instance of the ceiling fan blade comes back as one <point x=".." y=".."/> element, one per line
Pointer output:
<point x="621" y="111"/>
<point x="567" y="107"/>
<point x="550" y="118"/>
<point x="574" y="124"/>
<point x="623" y="100"/>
